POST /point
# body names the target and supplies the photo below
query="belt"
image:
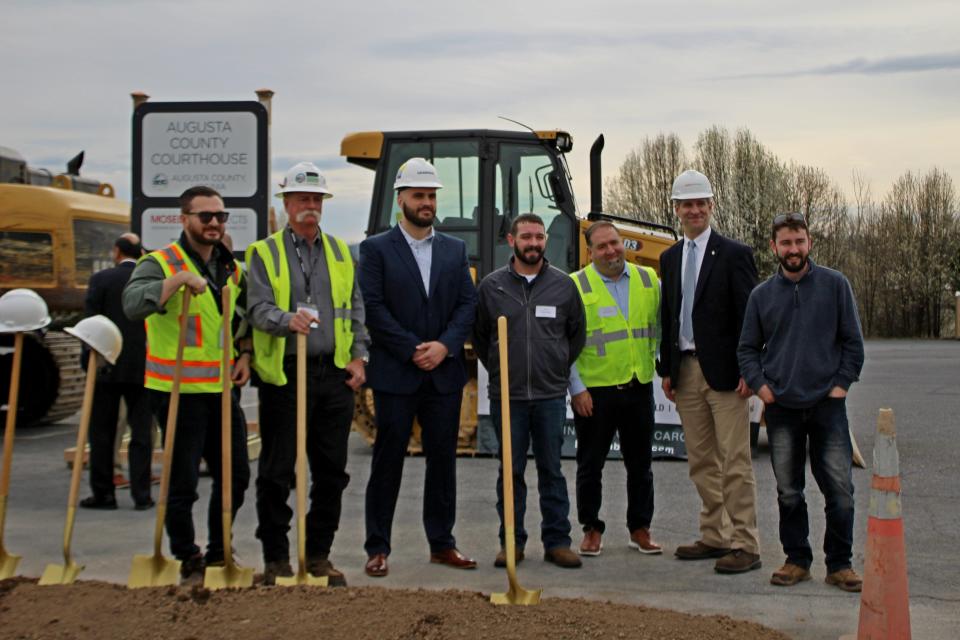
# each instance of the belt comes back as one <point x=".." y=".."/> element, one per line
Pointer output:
<point x="634" y="383"/>
<point x="312" y="361"/>
<point x="689" y="352"/>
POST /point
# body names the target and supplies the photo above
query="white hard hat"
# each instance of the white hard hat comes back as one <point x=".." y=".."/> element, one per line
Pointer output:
<point x="22" y="310"/>
<point x="304" y="177"/>
<point x="100" y="334"/>
<point x="691" y="185"/>
<point x="417" y="172"/>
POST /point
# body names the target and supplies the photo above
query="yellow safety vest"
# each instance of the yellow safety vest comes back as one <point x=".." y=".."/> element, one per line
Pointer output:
<point x="268" y="349"/>
<point x="616" y="350"/>
<point x="202" y="355"/>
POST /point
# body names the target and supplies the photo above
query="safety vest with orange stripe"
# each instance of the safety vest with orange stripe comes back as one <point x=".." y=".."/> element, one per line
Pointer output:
<point x="202" y="355"/>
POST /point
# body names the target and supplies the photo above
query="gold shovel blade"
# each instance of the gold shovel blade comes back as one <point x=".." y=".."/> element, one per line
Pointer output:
<point x="229" y="576"/>
<point x="8" y="564"/>
<point x="304" y="578"/>
<point x="60" y="573"/>
<point x="517" y="596"/>
<point x="153" y="571"/>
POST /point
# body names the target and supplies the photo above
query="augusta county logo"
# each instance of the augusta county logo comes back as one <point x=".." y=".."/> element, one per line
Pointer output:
<point x="160" y="180"/>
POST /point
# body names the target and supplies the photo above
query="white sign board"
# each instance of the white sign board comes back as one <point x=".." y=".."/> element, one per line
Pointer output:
<point x="161" y="226"/>
<point x="217" y="149"/>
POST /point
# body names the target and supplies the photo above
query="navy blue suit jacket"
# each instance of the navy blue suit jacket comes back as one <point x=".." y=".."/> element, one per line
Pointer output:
<point x="400" y="315"/>
<point x="727" y="276"/>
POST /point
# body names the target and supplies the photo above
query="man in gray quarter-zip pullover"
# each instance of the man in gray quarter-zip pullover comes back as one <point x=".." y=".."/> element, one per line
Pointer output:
<point x="800" y="350"/>
<point x="546" y="332"/>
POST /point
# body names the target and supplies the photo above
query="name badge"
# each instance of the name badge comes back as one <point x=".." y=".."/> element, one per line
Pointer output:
<point x="546" y="311"/>
<point x="608" y="312"/>
<point x="312" y="310"/>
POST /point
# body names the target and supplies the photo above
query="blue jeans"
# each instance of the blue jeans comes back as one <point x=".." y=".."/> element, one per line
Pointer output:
<point x="539" y="421"/>
<point x="824" y="426"/>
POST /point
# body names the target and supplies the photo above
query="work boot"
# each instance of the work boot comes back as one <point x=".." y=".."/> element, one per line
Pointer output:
<point x="501" y="559"/>
<point x="846" y="579"/>
<point x="591" y="545"/>
<point x="321" y="566"/>
<point x="738" y="561"/>
<point x="699" y="551"/>
<point x="789" y="574"/>
<point x="276" y="569"/>
<point x="107" y="503"/>
<point x="641" y="541"/>
<point x="563" y="557"/>
<point x="191" y="570"/>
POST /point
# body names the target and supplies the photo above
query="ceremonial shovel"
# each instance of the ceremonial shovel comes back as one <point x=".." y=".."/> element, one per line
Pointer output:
<point x="302" y="576"/>
<point x="155" y="570"/>
<point x="8" y="561"/>
<point x="230" y="575"/>
<point x="516" y="594"/>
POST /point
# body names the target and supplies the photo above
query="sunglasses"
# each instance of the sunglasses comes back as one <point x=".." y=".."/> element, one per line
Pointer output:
<point x="791" y="217"/>
<point x="206" y="216"/>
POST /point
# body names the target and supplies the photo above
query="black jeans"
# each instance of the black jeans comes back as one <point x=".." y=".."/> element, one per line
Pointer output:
<point x="103" y="433"/>
<point x="198" y="436"/>
<point x="628" y="411"/>
<point x="439" y="416"/>
<point x="329" y="415"/>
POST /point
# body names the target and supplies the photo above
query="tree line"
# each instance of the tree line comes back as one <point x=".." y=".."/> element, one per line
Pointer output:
<point x="901" y="251"/>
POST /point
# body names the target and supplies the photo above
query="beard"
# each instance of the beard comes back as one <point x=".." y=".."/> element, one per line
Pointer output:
<point x="411" y="215"/>
<point x="791" y="267"/>
<point x="201" y="238"/>
<point x="529" y="256"/>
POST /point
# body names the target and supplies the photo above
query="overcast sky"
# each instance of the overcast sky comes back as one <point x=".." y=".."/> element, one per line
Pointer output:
<point x="867" y="86"/>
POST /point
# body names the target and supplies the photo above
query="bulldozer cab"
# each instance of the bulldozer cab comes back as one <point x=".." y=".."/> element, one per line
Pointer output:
<point x="489" y="178"/>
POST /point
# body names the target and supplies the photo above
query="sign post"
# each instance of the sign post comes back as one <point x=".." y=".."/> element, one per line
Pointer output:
<point x="178" y="145"/>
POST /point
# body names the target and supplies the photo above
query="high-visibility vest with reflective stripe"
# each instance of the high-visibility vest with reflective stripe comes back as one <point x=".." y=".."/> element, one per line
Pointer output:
<point x="616" y="350"/>
<point x="268" y="349"/>
<point x="202" y="355"/>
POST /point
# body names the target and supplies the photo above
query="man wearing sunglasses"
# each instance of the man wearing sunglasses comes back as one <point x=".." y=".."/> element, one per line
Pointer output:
<point x="800" y="350"/>
<point x="303" y="281"/>
<point x="198" y="260"/>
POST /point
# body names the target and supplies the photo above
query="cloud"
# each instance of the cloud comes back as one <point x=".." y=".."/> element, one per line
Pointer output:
<point x="882" y="66"/>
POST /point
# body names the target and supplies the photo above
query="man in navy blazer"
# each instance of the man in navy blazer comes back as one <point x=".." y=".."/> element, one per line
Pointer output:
<point x="420" y="302"/>
<point x="707" y="280"/>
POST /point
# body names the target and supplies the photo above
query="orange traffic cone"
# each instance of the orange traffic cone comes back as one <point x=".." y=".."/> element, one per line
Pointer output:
<point x="885" y="599"/>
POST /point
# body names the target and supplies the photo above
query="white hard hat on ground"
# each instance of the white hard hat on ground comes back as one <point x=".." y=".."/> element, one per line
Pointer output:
<point x="691" y="185"/>
<point x="304" y="177"/>
<point x="417" y="172"/>
<point x="22" y="310"/>
<point x="100" y="334"/>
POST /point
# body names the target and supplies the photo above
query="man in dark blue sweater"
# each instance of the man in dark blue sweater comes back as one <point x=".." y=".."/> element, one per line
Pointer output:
<point x="800" y="350"/>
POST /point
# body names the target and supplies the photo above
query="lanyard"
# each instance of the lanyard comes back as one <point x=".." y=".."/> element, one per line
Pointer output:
<point x="303" y="270"/>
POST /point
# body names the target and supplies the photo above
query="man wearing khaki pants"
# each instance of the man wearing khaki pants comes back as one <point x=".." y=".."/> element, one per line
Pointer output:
<point x="707" y="279"/>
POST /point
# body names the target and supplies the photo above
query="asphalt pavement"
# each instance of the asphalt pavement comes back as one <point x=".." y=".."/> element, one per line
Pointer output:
<point x="919" y="380"/>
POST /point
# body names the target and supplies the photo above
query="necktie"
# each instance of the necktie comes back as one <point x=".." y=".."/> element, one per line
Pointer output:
<point x="689" y="289"/>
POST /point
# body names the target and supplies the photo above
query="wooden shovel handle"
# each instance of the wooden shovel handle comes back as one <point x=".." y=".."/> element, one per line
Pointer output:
<point x="11" y="415"/>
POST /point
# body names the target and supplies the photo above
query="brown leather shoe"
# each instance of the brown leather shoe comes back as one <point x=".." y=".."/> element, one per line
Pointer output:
<point x="738" y="561"/>
<point x="641" y="541"/>
<point x="453" y="558"/>
<point x="563" y="557"/>
<point x="501" y="559"/>
<point x="699" y="551"/>
<point x="789" y="574"/>
<point x="321" y="566"/>
<point x="592" y="544"/>
<point x="846" y="579"/>
<point x="376" y="566"/>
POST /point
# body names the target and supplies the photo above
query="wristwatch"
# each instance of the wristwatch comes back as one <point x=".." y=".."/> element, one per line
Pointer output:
<point x="365" y="358"/>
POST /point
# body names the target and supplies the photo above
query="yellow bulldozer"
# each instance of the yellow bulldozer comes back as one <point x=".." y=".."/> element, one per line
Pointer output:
<point x="489" y="178"/>
<point x="56" y="230"/>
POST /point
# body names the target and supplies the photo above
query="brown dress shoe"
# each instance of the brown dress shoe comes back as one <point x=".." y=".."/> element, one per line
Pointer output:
<point x="501" y="559"/>
<point x="563" y="557"/>
<point x="789" y="574"/>
<point x="641" y="541"/>
<point x="738" y="561"/>
<point x="591" y="545"/>
<point x="453" y="558"/>
<point x="376" y="566"/>
<point x="699" y="551"/>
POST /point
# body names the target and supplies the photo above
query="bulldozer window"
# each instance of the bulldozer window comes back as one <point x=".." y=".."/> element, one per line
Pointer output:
<point x="92" y="242"/>
<point x="26" y="258"/>
<point x="524" y="185"/>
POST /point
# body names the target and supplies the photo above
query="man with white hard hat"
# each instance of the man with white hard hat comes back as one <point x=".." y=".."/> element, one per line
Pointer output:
<point x="304" y="281"/>
<point x="707" y="280"/>
<point x="420" y="310"/>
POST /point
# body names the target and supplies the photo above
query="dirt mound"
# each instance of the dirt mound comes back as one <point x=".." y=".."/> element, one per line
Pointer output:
<point x="106" y="611"/>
